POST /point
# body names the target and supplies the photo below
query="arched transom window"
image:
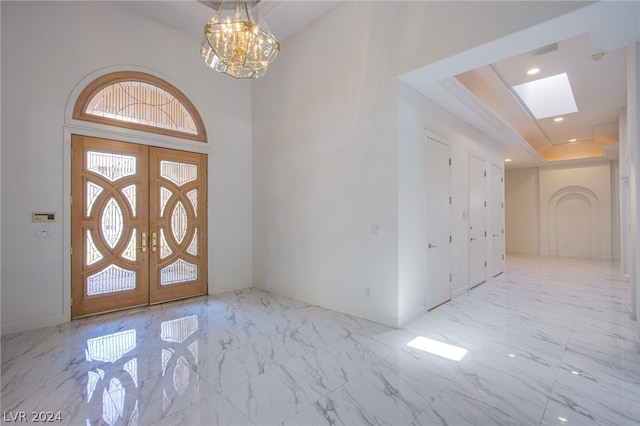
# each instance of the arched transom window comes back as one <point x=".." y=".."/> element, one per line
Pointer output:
<point x="140" y="101"/>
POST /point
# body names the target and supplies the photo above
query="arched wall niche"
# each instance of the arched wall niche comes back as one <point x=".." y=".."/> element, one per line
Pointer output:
<point x="574" y="223"/>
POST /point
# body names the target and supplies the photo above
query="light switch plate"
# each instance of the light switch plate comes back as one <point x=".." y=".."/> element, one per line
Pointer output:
<point x="43" y="234"/>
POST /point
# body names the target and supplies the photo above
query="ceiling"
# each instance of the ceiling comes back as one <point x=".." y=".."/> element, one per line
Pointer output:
<point x="598" y="82"/>
<point x="283" y="17"/>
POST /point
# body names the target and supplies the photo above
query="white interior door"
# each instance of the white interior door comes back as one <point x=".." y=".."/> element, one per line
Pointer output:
<point x="497" y="219"/>
<point x="477" y="222"/>
<point x="438" y="286"/>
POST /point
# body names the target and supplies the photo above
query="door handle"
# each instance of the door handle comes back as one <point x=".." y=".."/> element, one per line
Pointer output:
<point x="431" y="245"/>
<point x="143" y="247"/>
<point x="473" y="239"/>
<point x="154" y="242"/>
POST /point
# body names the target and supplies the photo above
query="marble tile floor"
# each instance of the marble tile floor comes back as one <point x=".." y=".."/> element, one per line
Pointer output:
<point x="549" y="342"/>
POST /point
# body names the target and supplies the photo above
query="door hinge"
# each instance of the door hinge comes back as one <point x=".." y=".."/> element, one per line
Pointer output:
<point x="71" y="199"/>
<point x="503" y="231"/>
<point x="449" y="200"/>
<point x="485" y="173"/>
<point x="71" y="153"/>
<point x="485" y="263"/>
<point x="485" y="204"/>
<point x="72" y="301"/>
<point x="450" y="277"/>
<point x="449" y="161"/>
<point x="503" y="257"/>
<point x="71" y="251"/>
<point x="501" y="179"/>
<point x="502" y="205"/>
<point x="485" y="233"/>
<point x="450" y="238"/>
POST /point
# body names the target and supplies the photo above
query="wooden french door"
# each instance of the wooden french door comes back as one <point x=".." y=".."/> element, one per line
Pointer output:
<point x="138" y="225"/>
<point x="178" y="224"/>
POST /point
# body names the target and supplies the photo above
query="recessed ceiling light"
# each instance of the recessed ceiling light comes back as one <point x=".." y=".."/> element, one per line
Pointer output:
<point x="548" y="97"/>
<point x="506" y="160"/>
<point x="558" y="119"/>
<point x="533" y="71"/>
<point x="573" y="140"/>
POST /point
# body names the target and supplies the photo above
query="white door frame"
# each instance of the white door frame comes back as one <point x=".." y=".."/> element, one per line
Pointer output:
<point x="441" y="242"/>
<point x="497" y="240"/>
<point x="479" y="235"/>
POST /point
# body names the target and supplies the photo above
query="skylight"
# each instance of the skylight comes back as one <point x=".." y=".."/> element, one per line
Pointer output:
<point x="548" y="97"/>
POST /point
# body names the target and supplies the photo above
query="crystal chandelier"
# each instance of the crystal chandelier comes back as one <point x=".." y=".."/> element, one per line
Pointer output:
<point x="235" y="44"/>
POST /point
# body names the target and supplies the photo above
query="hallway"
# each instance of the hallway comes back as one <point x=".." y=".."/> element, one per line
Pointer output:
<point x="549" y="342"/>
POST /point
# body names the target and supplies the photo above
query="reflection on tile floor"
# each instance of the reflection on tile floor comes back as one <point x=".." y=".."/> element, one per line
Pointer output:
<point x="549" y="341"/>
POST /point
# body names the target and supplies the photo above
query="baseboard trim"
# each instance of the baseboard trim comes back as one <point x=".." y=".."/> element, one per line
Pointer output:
<point x="20" y="326"/>
<point x="459" y="292"/>
<point x="405" y="319"/>
<point x="286" y="292"/>
<point x="226" y="289"/>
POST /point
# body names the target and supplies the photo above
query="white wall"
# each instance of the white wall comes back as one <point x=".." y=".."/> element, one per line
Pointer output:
<point x="522" y="211"/>
<point x="48" y="49"/>
<point x="324" y="172"/>
<point x="561" y="210"/>
<point x="326" y="149"/>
